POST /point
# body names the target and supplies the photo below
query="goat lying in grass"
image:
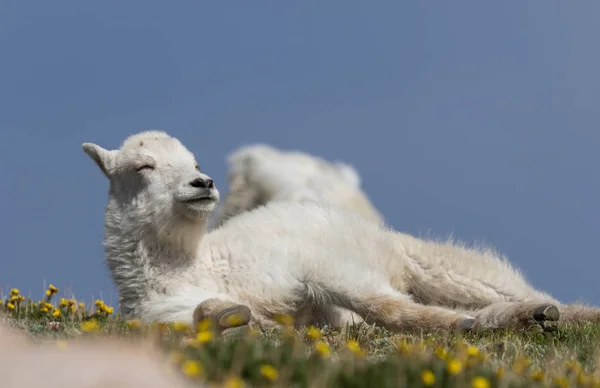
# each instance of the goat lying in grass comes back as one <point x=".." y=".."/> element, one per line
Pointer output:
<point x="302" y="259"/>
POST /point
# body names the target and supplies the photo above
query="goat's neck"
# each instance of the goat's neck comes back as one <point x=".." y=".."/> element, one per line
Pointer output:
<point x="145" y="260"/>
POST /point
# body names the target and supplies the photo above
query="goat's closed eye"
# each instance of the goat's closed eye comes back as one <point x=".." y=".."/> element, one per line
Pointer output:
<point x="144" y="167"/>
<point x="197" y="167"/>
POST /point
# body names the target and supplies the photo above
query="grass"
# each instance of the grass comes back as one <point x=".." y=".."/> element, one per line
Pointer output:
<point x="358" y="356"/>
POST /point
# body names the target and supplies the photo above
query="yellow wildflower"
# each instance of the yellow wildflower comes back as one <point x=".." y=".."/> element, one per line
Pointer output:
<point x="562" y="381"/>
<point x="354" y="347"/>
<point x="404" y="347"/>
<point x="204" y="325"/>
<point x="48" y="293"/>
<point x="15" y="291"/>
<point x="537" y="375"/>
<point x="520" y="365"/>
<point x="323" y="348"/>
<point x="192" y="368"/>
<point x="573" y="367"/>
<point x="204" y="336"/>
<point x="181" y="326"/>
<point x="108" y="310"/>
<point x="61" y="344"/>
<point x="1" y="302"/>
<point x="10" y="306"/>
<point x="56" y="313"/>
<point x="90" y="326"/>
<point x="472" y="351"/>
<point x="441" y="352"/>
<point x="134" y="323"/>
<point x="233" y="382"/>
<point x="480" y="382"/>
<point x="234" y="320"/>
<point x="15" y="298"/>
<point x="269" y="372"/>
<point x="82" y="305"/>
<point x="428" y="377"/>
<point x="284" y="319"/>
<point x="49" y="306"/>
<point x="454" y="367"/>
<point x="313" y="332"/>
<point x="44" y="309"/>
<point x="500" y="372"/>
<point x="63" y="302"/>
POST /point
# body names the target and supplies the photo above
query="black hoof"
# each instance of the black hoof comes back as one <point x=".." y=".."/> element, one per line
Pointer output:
<point x="467" y="324"/>
<point x="238" y="315"/>
<point x="547" y="312"/>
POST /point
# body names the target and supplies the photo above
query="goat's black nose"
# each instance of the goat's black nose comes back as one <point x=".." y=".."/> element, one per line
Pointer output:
<point x="203" y="183"/>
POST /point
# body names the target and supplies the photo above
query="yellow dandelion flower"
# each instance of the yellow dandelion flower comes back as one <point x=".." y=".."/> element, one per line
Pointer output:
<point x="472" y="351"/>
<point x="49" y="306"/>
<point x="62" y="344"/>
<point x="48" y="292"/>
<point x="44" y="309"/>
<point x="181" y="326"/>
<point x="313" y="332"/>
<point x="480" y="382"/>
<point x="15" y="291"/>
<point x="441" y="352"/>
<point x="109" y="310"/>
<point x="428" y="377"/>
<point x="454" y="367"/>
<point x="537" y="375"/>
<point x="500" y="372"/>
<point x="323" y="348"/>
<point x="562" y="381"/>
<point x="354" y="347"/>
<point x="72" y="308"/>
<point x="573" y="367"/>
<point x="52" y="289"/>
<point x="63" y="302"/>
<point x="234" y="382"/>
<point x="192" y="368"/>
<point x="284" y="319"/>
<point x="56" y="313"/>
<point x="269" y="372"/>
<point x="90" y="326"/>
<point x="15" y="298"/>
<point x="204" y="336"/>
<point x="134" y="323"/>
<point x="82" y="305"/>
<point x="204" y="325"/>
<point x="404" y="347"/>
<point x="10" y="306"/>
<point x="234" y="320"/>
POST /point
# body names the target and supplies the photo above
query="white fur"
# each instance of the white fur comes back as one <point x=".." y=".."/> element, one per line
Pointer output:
<point x="300" y="258"/>
<point x="259" y="174"/>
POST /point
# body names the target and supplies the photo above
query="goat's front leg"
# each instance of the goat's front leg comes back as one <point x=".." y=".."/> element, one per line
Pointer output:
<point x="227" y="318"/>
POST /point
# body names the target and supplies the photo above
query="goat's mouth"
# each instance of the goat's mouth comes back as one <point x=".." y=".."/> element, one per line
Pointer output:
<point x="203" y="199"/>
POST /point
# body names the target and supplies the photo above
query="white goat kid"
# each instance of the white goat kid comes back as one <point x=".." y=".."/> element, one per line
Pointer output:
<point x="298" y="259"/>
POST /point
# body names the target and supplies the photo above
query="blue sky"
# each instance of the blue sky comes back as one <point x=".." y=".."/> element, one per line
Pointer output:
<point x="471" y="118"/>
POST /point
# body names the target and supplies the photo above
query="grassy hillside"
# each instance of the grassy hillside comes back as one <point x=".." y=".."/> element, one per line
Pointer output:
<point x="359" y="356"/>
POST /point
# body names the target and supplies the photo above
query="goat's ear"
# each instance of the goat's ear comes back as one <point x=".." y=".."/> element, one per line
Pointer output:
<point x="105" y="159"/>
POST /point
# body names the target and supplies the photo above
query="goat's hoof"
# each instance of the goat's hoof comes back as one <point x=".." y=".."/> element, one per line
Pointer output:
<point x="467" y="324"/>
<point x="235" y="332"/>
<point x="546" y="316"/>
<point x="234" y="316"/>
<point x="546" y="312"/>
